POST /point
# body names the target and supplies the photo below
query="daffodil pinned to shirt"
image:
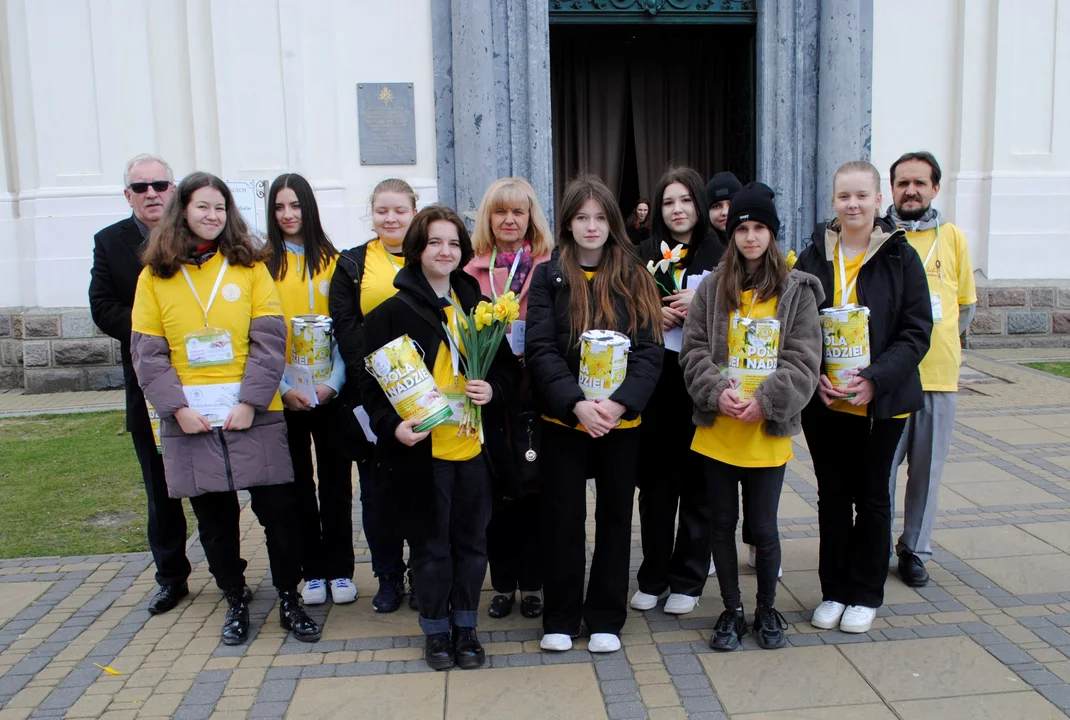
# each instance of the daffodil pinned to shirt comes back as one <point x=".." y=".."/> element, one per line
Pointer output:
<point x="668" y="265"/>
<point x="480" y="333"/>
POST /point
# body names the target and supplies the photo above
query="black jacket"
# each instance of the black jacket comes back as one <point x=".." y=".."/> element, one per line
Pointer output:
<point x="113" y="282"/>
<point x="403" y="479"/>
<point x="892" y="284"/>
<point x="706" y="258"/>
<point x="554" y="360"/>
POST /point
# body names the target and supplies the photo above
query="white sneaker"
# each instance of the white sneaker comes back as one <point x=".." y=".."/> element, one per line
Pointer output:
<point x="343" y="591"/>
<point x="314" y="592"/>
<point x="713" y="568"/>
<point x="557" y="642"/>
<point x="645" y="601"/>
<point x="603" y="643"/>
<point x="828" y="614"/>
<point x="857" y="619"/>
<point x="752" y="561"/>
<point x="678" y="604"/>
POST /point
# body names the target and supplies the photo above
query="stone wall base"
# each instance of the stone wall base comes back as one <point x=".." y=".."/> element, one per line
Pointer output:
<point x="1021" y="314"/>
<point x="45" y="350"/>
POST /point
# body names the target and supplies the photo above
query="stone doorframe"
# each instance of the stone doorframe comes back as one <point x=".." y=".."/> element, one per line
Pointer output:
<point x="492" y="100"/>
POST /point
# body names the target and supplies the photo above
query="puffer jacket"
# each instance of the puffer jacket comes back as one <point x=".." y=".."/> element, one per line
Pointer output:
<point x="788" y="389"/>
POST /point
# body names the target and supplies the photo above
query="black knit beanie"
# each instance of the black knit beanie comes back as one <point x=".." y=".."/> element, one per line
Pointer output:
<point x="722" y="186"/>
<point x="753" y="202"/>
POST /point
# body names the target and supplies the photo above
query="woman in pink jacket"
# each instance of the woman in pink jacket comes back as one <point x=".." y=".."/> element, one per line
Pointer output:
<point x="511" y="237"/>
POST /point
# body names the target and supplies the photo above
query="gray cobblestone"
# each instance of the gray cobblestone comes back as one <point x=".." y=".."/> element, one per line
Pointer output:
<point x="524" y="660"/>
<point x="269" y="710"/>
<point x="691" y="682"/>
<point x="276" y="691"/>
<point x="1059" y="695"/>
<point x="1039" y="677"/>
<point x="321" y="671"/>
<point x="213" y="676"/>
<point x="1009" y="654"/>
<point x="564" y="658"/>
<point x="805" y="640"/>
<point x="937" y="631"/>
<point x="626" y="711"/>
<point x="616" y="669"/>
<point x="369" y="644"/>
<point x="193" y="712"/>
<point x="206" y="693"/>
<point x="893" y="633"/>
<point x="701" y="704"/>
<point x="682" y="665"/>
<point x="365" y="668"/>
<point x="1053" y="636"/>
<point x="619" y="687"/>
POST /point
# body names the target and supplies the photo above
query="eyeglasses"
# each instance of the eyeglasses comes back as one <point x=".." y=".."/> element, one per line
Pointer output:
<point x="143" y="187"/>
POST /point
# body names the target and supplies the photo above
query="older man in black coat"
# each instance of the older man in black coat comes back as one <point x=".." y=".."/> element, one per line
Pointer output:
<point x="149" y="183"/>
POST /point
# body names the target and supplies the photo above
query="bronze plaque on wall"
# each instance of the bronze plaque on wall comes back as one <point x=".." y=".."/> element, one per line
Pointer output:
<point x="386" y="121"/>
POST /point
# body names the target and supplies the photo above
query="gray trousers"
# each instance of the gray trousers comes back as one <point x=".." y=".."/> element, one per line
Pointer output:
<point x="924" y="446"/>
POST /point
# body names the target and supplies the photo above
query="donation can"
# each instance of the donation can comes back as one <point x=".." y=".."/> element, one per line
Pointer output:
<point x="313" y="338"/>
<point x="845" y="331"/>
<point x="603" y="362"/>
<point x="402" y="374"/>
<point x="753" y="350"/>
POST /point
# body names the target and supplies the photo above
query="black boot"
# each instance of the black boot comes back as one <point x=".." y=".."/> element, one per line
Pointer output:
<point x="467" y="649"/>
<point x="414" y="604"/>
<point x="236" y="624"/>
<point x="438" y="651"/>
<point x="388" y="599"/>
<point x="292" y="617"/>
<point x="912" y="570"/>
<point x="167" y="597"/>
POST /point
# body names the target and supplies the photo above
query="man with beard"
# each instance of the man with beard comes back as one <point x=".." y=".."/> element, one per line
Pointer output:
<point x="148" y="183"/>
<point x="943" y="248"/>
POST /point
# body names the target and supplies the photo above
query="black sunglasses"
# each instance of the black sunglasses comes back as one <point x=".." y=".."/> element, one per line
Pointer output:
<point x="143" y="187"/>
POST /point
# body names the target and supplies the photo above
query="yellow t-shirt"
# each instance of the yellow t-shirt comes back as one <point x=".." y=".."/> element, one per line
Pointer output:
<point x="446" y="444"/>
<point x="380" y="267"/>
<point x="951" y="276"/>
<point x="621" y="425"/>
<point x="166" y="307"/>
<point x="298" y="296"/>
<point x="738" y="443"/>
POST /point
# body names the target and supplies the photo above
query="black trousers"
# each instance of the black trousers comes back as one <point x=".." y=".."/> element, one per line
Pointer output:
<point x="567" y="457"/>
<point x="449" y="568"/>
<point x="514" y="545"/>
<point x="326" y="527"/>
<point x="166" y="521"/>
<point x="217" y="523"/>
<point x="852" y="460"/>
<point x="760" y="504"/>
<point x="386" y="547"/>
<point x="675" y="556"/>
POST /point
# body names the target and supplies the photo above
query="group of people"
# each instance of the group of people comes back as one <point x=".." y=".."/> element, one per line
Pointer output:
<point x="204" y="313"/>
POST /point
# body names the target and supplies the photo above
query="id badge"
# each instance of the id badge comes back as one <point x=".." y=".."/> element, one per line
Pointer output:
<point x="209" y="346"/>
<point x="938" y="308"/>
<point x="456" y="402"/>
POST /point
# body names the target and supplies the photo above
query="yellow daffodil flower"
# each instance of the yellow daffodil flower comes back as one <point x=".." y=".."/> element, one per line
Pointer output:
<point x="791" y="259"/>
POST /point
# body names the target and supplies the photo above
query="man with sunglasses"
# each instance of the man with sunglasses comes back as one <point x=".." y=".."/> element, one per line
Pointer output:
<point x="148" y="184"/>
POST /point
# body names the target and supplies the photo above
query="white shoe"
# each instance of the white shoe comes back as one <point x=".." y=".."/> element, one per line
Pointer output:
<point x="857" y="619"/>
<point x="828" y="614"/>
<point x="314" y="592"/>
<point x="603" y="643"/>
<point x="752" y="561"/>
<point x="713" y="568"/>
<point x="645" y="601"/>
<point x="678" y="604"/>
<point x="343" y="591"/>
<point x="557" y="642"/>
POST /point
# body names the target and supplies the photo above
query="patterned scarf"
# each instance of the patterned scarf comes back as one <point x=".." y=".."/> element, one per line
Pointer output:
<point x="523" y="268"/>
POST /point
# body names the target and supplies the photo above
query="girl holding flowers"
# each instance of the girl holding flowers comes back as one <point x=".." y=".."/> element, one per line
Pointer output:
<point x="594" y="280"/>
<point x="745" y="436"/>
<point x="675" y="559"/>
<point x="436" y="484"/>
<point x="510" y="240"/>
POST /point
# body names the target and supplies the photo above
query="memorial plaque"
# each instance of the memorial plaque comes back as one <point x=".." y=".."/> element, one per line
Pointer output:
<point x="250" y="197"/>
<point x="386" y="121"/>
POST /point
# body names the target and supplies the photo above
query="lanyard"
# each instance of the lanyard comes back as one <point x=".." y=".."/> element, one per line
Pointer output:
<point x="936" y="247"/>
<point x="843" y="276"/>
<point x="390" y="257"/>
<point x="753" y="302"/>
<point x="454" y="334"/>
<point x="215" y="289"/>
<point x="512" y="270"/>
<point x="311" y="294"/>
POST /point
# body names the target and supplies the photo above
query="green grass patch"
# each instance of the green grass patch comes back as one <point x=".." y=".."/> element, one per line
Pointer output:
<point x="1062" y="369"/>
<point x="70" y="485"/>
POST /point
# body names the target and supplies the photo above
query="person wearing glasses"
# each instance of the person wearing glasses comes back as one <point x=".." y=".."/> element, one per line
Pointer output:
<point x="148" y="184"/>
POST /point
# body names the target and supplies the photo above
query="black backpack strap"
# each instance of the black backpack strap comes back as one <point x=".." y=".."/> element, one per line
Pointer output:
<point x="357" y="257"/>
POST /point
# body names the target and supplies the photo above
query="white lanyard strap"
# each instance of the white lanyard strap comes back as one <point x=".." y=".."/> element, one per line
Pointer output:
<point x="512" y="271"/>
<point x="455" y="349"/>
<point x="936" y="247"/>
<point x="843" y="276"/>
<point x="753" y="302"/>
<point x="215" y="289"/>
<point x="390" y="257"/>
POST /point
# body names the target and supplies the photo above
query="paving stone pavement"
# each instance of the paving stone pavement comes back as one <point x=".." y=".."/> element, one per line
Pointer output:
<point x="988" y="638"/>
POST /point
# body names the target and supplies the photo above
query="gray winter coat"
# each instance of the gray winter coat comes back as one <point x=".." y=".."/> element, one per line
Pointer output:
<point x="220" y="460"/>
<point x="783" y="395"/>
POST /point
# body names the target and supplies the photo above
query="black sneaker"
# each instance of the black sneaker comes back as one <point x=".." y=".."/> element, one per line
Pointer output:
<point x="729" y="630"/>
<point x="769" y="627"/>
<point x="388" y="599"/>
<point x="912" y="570"/>
<point x="414" y="604"/>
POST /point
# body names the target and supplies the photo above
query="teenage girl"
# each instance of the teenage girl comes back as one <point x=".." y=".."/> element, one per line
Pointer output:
<point x="363" y="279"/>
<point x="748" y="441"/>
<point x="852" y="433"/>
<point x="302" y="262"/>
<point x="593" y="281"/>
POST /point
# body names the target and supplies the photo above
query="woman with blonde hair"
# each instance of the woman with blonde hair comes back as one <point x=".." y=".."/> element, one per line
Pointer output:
<point x="511" y="238"/>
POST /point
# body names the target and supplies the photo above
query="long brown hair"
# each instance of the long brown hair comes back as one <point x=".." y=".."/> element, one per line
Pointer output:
<point x="733" y="277"/>
<point x="620" y="275"/>
<point x="697" y="190"/>
<point x="172" y="241"/>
